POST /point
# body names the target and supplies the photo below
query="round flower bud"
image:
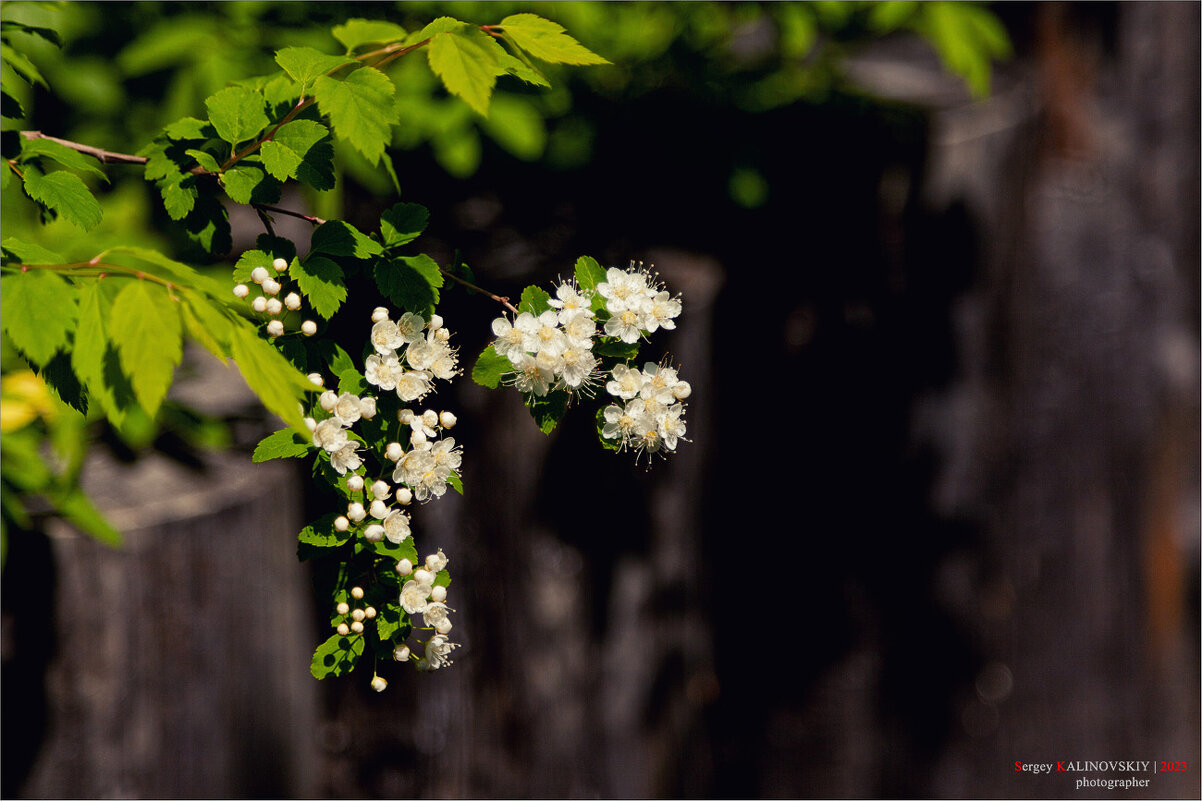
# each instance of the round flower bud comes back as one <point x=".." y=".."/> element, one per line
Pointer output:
<point x="355" y="512"/>
<point x="374" y="533"/>
<point x="430" y="418"/>
<point x="259" y="304"/>
<point x="379" y="314"/>
<point x="439" y="594"/>
<point x="344" y="629"/>
<point x="343" y="607"/>
<point x="341" y="523"/>
<point x="379" y="510"/>
<point x="317" y="379"/>
<point x="443" y="626"/>
<point x="356" y="592"/>
<point x="308" y="328"/>
<point x="378" y="684"/>
<point x="404" y="496"/>
<point x="442" y="335"/>
<point x="381" y="490"/>
<point x="435" y="322"/>
<point x="367" y="408"/>
<point x="394" y="451"/>
<point x="422" y="576"/>
<point x="280" y="265"/>
<point x="369" y="612"/>
<point x="259" y="275"/>
<point x="274" y="306"/>
<point x="401" y="654"/>
<point x="327" y="400"/>
<point x="241" y="290"/>
<point x="292" y="301"/>
<point x="354" y="483"/>
<point x="404" y="567"/>
<point x="311" y="423"/>
<point x="405" y="416"/>
<point x="417" y="438"/>
<point x="272" y="286"/>
<point x="447" y="419"/>
<point x="357" y="627"/>
<point x="275" y="328"/>
<point x="357" y="615"/>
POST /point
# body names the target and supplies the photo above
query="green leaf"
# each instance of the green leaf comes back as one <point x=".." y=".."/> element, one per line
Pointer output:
<point x="616" y="348"/>
<point x="490" y="367"/>
<point x="189" y="128"/>
<point x="468" y="61"/>
<point x="10" y="108"/>
<point x="321" y="281"/>
<point x="246" y="182"/>
<point x="301" y="143"/>
<point x="38" y="312"/>
<point x="237" y="113"/>
<point x="589" y="273"/>
<point x="75" y="506"/>
<point x="321" y="532"/>
<point x="546" y="40"/>
<point x="517" y="126"/>
<point x="278" y="384"/>
<point x="358" y="32"/>
<point x="32" y="148"/>
<point x="91" y="344"/>
<point x="534" y="300"/>
<point x="49" y="34"/>
<point x="336" y="656"/>
<point x="207" y="324"/>
<point x="205" y="159"/>
<point x="248" y="261"/>
<point x="65" y="194"/>
<point x="411" y="282"/>
<point x="305" y="64"/>
<point x="338" y="238"/>
<point x="360" y="108"/>
<point x="344" y="369"/>
<point x="548" y="410"/>
<point x="456" y="482"/>
<point x="28" y="252"/>
<point x="523" y="71"/>
<point x="20" y="64"/>
<point x="179" y="194"/>
<point x="390" y="620"/>
<point x="146" y="330"/>
<point x="282" y="444"/>
<point x="208" y="226"/>
<point x="403" y="223"/>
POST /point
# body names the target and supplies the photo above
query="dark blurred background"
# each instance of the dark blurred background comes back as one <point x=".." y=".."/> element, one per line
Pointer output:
<point x="940" y="511"/>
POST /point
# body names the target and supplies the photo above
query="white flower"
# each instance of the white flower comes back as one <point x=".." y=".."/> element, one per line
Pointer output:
<point x="622" y="422"/>
<point x="447" y="419"/>
<point x="531" y="377"/>
<point x="346" y="458"/>
<point x="627" y="382"/>
<point x="412" y="385"/>
<point x="439" y="593"/>
<point x="413" y="596"/>
<point x="329" y="435"/>
<point x="280" y="265"/>
<point x="354" y="483"/>
<point x="259" y="304"/>
<point x="378" y="683"/>
<point x="437" y="562"/>
<point x="672" y="426"/>
<point x="396" y="527"/>
<point x="438" y="651"/>
<point x="411" y="327"/>
<point x="380" y="490"/>
<point x="576" y="367"/>
<point x="379" y="313"/>
<point x="385" y="338"/>
<point x="274" y="307"/>
<point x="542" y="334"/>
<point x="241" y="290"/>
<point x="434" y="612"/>
<point x="627" y="325"/>
<point x="622" y="290"/>
<point x="354" y="510"/>
<point x="384" y="371"/>
<point x="378" y="510"/>
<point x="445" y="455"/>
<point x="579" y="328"/>
<point x="569" y="301"/>
<point x="401" y="653"/>
<point x="509" y="339"/>
<point x="259" y="275"/>
<point x="346" y="409"/>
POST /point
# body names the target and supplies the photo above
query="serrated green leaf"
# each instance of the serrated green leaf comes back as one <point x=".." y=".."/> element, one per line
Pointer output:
<point x="339" y="238"/>
<point x="547" y="40"/>
<point x="16" y="250"/>
<point x="179" y="194"/>
<point x="306" y="64"/>
<point x="321" y="532"/>
<point x="282" y="444"/>
<point x="207" y="225"/>
<point x="436" y="26"/>
<point x="390" y="620"/>
<point x="360" y="109"/>
<point x="208" y="325"/>
<point x="49" y="34"/>
<point x="237" y="113"/>
<point x="146" y="330"/>
<point x="278" y="384"/>
<point x="248" y="261"/>
<point x="38" y="312"/>
<point x="534" y="300"/>
<point x="344" y="369"/>
<point x="170" y="269"/>
<point x="490" y="367"/>
<point x="247" y="182"/>
<point x="456" y="482"/>
<point x="468" y="61"/>
<point x="20" y="64"/>
<point x="589" y="273"/>
<point x="65" y="194"/>
<point x="205" y="159"/>
<point x="10" y="107"/>
<point x="189" y="128"/>
<point x="548" y="410"/>
<point x="294" y="144"/>
<point x="411" y="282"/>
<point x="403" y="223"/>
<point x="358" y="32"/>
<point x="336" y="656"/>
<point x="523" y="71"/>
<point x="91" y="341"/>
<point x="321" y="281"/>
<point x="32" y="148"/>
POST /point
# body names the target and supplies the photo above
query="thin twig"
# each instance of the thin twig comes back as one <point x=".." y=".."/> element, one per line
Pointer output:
<point x="504" y="301"/>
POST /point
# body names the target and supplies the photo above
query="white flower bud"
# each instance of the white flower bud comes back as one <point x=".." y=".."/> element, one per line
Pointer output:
<point x="259" y="275"/>
<point x="317" y="379"/>
<point x="355" y="511"/>
<point x="378" y="683"/>
<point x="341" y="523"/>
<point x="357" y="615"/>
<point x="308" y="328"/>
<point x="442" y="335"/>
<point x="343" y="607"/>
<point x="292" y="301"/>
<point x="379" y="314"/>
<point x="439" y="593"/>
<point x="417" y="438"/>
<point x="356" y="592"/>
<point x="311" y="423"/>
<point x="369" y="612"/>
<point x="280" y="265"/>
<point x="241" y="290"/>
<point x="274" y="306"/>
<point x="344" y="629"/>
<point x="394" y="451"/>
<point x="380" y="490"/>
<point x="435" y="562"/>
<point x="357" y="627"/>
<point x="435" y="322"/>
<point x="401" y="654"/>
<point x="272" y="286"/>
<point x="367" y="408"/>
<point x="430" y="418"/>
<point x="404" y="496"/>
<point x="374" y="533"/>
<point x="275" y="328"/>
<point x="405" y="416"/>
<point x="447" y="419"/>
<point x="422" y="576"/>
<point x="379" y="510"/>
<point x="682" y="390"/>
<point x="327" y="400"/>
<point x="259" y="304"/>
<point x="404" y="567"/>
<point x="443" y="626"/>
<point x="354" y="483"/>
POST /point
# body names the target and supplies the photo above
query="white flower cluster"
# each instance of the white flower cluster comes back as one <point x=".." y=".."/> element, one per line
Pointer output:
<point x="636" y="303"/>
<point x="268" y="301"/>
<point x="421" y="596"/>
<point x="652" y="418"/>
<point x="428" y="354"/>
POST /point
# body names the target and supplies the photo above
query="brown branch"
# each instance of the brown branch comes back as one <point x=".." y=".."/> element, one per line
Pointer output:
<point x="103" y="156"/>
<point x="289" y="212"/>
